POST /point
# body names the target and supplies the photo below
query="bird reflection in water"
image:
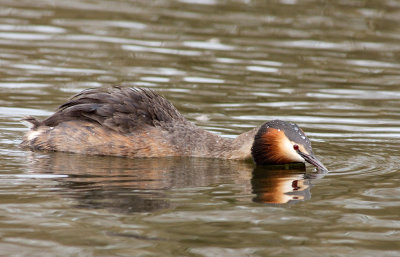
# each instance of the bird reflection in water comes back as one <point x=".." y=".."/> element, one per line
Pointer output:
<point x="143" y="185"/>
<point x="279" y="186"/>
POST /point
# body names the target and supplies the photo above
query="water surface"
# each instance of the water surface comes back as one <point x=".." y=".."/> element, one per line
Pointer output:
<point x="333" y="68"/>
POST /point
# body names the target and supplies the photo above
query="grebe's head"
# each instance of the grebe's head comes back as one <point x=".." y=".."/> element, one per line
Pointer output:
<point x="280" y="142"/>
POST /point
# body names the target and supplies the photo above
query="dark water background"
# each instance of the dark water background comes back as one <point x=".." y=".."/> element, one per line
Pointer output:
<point x="330" y="66"/>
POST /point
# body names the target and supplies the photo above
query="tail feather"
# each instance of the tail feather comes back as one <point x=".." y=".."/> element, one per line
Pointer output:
<point x="31" y="122"/>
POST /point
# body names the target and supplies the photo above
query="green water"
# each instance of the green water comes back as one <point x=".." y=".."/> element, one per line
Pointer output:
<point x="330" y="66"/>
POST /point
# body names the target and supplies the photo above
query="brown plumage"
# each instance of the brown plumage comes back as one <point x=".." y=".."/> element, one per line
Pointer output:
<point x="134" y="122"/>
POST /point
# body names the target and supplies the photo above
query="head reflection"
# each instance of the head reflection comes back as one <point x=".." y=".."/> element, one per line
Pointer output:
<point x="280" y="185"/>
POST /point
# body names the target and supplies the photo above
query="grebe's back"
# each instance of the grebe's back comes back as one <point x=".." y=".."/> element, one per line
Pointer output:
<point x="120" y="109"/>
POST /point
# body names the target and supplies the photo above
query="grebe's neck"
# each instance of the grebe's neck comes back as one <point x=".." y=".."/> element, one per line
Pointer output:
<point x="241" y="146"/>
<point x="238" y="148"/>
<point x="191" y="140"/>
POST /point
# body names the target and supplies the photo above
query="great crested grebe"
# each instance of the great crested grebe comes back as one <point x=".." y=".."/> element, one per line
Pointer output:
<point x="135" y="122"/>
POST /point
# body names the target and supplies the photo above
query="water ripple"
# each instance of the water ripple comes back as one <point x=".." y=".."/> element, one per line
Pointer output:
<point x="330" y="66"/>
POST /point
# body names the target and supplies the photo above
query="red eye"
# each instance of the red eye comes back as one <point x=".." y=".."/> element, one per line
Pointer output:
<point x="296" y="147"/>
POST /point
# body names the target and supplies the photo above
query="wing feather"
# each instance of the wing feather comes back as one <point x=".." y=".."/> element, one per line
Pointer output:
<point x="117" y="108"/>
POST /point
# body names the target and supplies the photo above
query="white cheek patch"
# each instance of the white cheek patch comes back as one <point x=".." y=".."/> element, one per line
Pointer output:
<point x="287" y="148"/>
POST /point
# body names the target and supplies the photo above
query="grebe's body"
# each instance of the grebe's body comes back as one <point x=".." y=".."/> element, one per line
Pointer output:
<point x="132" y="123"/>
